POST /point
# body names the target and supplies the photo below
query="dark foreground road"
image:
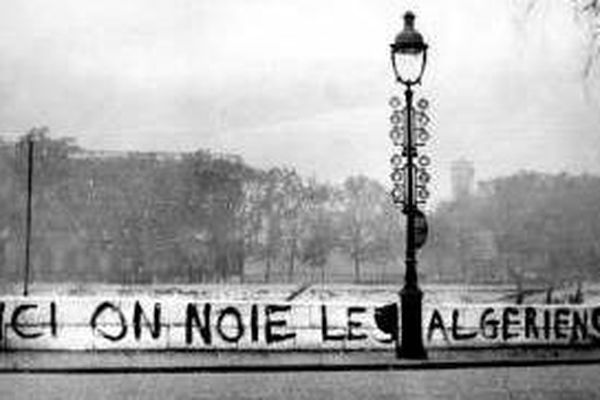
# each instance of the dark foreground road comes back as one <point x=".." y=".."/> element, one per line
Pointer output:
<point x="548" y="382"/>
<point x="567" y="373"/>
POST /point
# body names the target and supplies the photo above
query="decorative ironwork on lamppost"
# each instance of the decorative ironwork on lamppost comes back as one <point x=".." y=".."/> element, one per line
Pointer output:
<point x="410" y="177"/>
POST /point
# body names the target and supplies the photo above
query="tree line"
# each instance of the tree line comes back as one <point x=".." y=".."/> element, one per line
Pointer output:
<point x="203" y="217"/>
<point x="194" y="217"/>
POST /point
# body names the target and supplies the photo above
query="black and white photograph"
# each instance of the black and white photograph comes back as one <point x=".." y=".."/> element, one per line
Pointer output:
<point x="268" y="199"/>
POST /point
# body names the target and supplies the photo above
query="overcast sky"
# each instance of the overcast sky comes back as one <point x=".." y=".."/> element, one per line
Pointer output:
<point x="303" y="83"/>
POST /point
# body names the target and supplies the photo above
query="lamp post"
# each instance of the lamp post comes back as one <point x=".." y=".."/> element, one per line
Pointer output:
<point x="409" y="56"/>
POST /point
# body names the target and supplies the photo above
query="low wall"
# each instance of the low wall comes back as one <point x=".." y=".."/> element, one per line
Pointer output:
<point x="178" y="323"/>
<point x="89" y="323"/>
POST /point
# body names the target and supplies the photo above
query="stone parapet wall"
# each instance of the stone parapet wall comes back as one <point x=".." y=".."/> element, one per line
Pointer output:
<point x="180" y="323"/>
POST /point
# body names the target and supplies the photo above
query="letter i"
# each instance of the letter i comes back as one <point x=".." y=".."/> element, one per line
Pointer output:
<point x="547" y="324"/>
<point x="53" y="325"/>
<point x="254" y="323"/>
<point x="1" y="321"/>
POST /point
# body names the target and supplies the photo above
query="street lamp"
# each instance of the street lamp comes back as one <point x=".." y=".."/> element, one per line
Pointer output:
<point x="409" y="56"/>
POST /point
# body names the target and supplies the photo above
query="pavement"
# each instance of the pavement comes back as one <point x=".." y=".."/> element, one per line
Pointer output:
<point x="484" y="374"/>
<point x="120" y="362"/>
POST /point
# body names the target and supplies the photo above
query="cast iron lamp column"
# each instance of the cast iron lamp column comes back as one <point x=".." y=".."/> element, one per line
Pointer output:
<point x="409" y="56"/>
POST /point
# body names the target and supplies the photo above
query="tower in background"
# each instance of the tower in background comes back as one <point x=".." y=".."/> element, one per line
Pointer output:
<point x="462" y="177"/>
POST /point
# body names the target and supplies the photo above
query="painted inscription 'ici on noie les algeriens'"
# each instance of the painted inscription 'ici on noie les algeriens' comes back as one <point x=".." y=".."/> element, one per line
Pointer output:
<point x="186" y="324"/>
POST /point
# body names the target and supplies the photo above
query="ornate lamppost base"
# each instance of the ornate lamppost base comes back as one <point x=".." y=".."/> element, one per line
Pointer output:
<point x="410" y="343"/>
